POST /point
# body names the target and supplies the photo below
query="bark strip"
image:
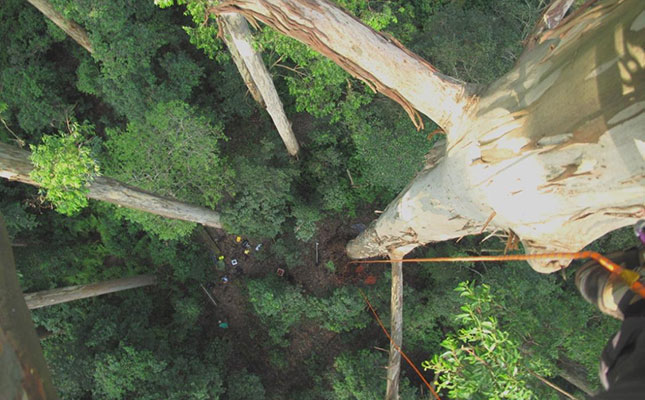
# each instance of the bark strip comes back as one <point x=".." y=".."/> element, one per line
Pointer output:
<point x="238" y="37"/>
<point x="550" y="19"/>
<point x="396" y="331"/>
<point x="15" y="165"/>
<point x="70" y="27"/>
<point x="70" y="293"/>
<point x="376" y="59"/>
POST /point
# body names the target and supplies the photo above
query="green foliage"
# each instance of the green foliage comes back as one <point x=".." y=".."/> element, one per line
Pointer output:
<point x="174" y="152"/>
<point x="306" y="217"/>
<point x="278" y="305"/>
<point x="245" y="386"/>
<point x="387" y="139"/>
<point x="343" y="311"/>
<point x="261" y="204"/>
<point x="31" y="77"/>
<point x="481" y="361"/>
<point x="63" y="167"/>
<point x="476" y="43"/>
<point x="15" y="213"/>
<point x="123" y="371"/>
<point x="361" y="376"/>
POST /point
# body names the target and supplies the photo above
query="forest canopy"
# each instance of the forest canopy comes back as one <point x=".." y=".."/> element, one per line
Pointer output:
<point x="159" y="104"/>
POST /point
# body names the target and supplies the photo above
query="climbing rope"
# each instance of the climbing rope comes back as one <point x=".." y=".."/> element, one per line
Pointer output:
<point x="398" y="348"/>
<point x="629" y="276"/>
<point x="632" y="278"/>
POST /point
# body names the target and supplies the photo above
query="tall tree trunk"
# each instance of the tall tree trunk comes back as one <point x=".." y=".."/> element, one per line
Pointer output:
<point x="73" y="29"/>
<point x="70" y="293"/>
<point x="15" y="165"/>
<point x="237" y="36"/>
<point x="396" y="331"/>
<point x="23" y="370"/>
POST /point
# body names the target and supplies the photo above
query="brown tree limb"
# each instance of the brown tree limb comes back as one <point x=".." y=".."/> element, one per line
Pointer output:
<point x="47" y="298"/>
<point x="23" y="370"/>
<point x="377" y="59"/>
<point x="15" y="165"/>
<point x="74" y="30"/>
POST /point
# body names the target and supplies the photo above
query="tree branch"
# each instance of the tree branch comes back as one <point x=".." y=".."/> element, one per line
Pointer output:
<point x="15" y="165"/>
<point x="238" y="37"/>
<point x="74" y="30"/>
<point x="378" y="60"/>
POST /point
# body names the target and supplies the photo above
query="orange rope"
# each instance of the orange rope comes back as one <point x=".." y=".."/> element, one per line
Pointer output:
<point x="629" y="276"/>
<point x="398" y="348"/>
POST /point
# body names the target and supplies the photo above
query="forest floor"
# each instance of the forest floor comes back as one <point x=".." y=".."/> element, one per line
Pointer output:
<point x="307" y="340"/>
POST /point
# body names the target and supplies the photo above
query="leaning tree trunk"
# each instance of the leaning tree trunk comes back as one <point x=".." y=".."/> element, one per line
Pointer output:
<point x="70" y="293"/>
<point x="70" y="27"/>
<point x="23" y="370"/>
<point x="237" y="35"/>
<point x="15" y="165"/>
<point x="554" y="148"/>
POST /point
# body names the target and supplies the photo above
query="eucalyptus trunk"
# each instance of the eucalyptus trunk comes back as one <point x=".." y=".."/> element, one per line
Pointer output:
<point x="15" y="165"/>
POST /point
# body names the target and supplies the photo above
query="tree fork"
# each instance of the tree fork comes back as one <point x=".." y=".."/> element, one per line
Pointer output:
<point x="555" y="148"/>
<point x="378" y="60"/>
<point x="15" y="165"/>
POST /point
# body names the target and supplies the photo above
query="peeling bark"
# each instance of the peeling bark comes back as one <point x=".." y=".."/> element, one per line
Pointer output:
<point x="238" y="38"/>
<point x="550" y="19"/>
<point x="15" y="165"/>
<point x="396" y="331"/>
<point x="23" y="370"/>
<point x="72" y="29"/>
<point x="378" y="60"/>
<point x="555" y="148"/>
<point x="48" y="298"/>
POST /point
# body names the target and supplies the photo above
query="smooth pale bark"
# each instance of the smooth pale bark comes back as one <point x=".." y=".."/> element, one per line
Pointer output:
<point x="396" y="331"/>
<point x="15" y="165"/>
<point x="239" y="62"/>
<point x="555" y="148"/>
<point x="23" y="371"/>
<point x="238" y="38"/>
<point x="70" y="27"/>
<point x="380" y="61"/>
<point x="70" y="293"/>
